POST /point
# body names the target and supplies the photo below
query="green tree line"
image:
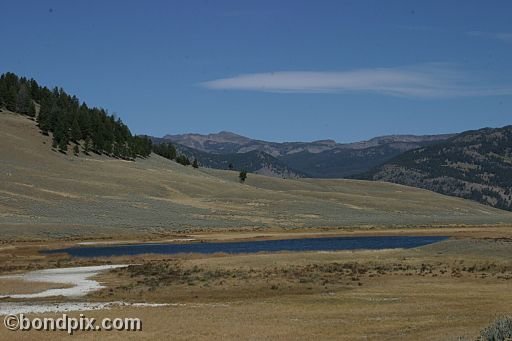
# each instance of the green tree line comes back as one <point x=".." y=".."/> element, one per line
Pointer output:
<point x="168" y="151"/>
<point x="70" y="120"/>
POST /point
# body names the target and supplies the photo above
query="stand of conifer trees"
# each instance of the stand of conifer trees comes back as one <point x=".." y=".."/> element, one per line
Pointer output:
<point x="71" y="121"/>
<point x="166" y="150"/>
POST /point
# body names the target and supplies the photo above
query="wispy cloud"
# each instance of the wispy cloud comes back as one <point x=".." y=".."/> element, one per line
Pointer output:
<point x="502" y="36"/>
<point x="436" y="80"/>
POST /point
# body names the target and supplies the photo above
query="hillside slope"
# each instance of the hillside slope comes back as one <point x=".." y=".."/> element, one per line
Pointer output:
<point x="47" y="194"/>
<point x="475" y="165"/>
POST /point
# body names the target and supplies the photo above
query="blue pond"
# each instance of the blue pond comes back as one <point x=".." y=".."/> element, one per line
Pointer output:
<point x="307" y="244"/>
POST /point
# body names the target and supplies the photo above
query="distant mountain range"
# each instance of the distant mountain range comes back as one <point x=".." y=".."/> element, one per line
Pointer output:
<point x="474" y="165"/>
<point x="319" y="159"/>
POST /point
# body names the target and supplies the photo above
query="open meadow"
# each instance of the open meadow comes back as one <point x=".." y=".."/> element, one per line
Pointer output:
<point x="49" y="200"/>
<point x="441" y="291"/>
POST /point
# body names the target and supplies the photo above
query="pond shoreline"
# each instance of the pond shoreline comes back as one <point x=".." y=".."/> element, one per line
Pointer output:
<point x="256" y="246"/>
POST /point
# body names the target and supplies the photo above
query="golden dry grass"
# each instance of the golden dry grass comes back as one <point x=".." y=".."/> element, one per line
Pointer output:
<point x="19" y="286"/>
<point x="392" y="309"/>
<point x="438" y="292"/>
<point x="45" y="194"/>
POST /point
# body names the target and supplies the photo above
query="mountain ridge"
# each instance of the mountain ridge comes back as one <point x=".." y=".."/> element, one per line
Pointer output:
<point x="208" y="141"/>
<point x="319" y="159"/>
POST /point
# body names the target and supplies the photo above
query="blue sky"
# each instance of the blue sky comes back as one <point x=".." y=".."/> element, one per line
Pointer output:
<point x="275" y="70"/>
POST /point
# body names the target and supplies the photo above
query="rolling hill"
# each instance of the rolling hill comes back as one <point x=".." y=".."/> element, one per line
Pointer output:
<point x="46" y="194"/>
<point x="317" y="159"/>
<point x="475" y="165"/>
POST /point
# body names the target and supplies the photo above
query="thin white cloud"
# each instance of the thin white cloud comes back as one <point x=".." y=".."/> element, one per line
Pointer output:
<point x="423" y="81"/>
<point x="502" y="36"/>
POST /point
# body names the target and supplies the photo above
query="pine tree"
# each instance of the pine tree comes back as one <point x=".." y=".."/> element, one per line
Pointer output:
<point x="10" y="99"/>
<point x="171" y="151"/>
<point x="55" y="143"/>
<point x="32" y="109"/>
<point x="97" y="140"/>
<point x="87" y="145"/>
<point x="3" y="92"/>
<point x="76" y="132"/>
<point x="166" y="150"/>
<point x="116" y="150"/>
<point x="43" y="121"/>
<point x="23" y="100"/>
<point x="84" y="120"/>
<point x="61" y="136"/>
<point x="242" y="176"/>
<point x="183" y="160"/>
<point x="63" y="146"/>
<point x="35" y="90"/>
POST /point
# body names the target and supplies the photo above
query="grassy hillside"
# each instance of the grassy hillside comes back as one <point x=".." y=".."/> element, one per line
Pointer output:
<point x="44" y="193"/>
<point x="475" y="165"/>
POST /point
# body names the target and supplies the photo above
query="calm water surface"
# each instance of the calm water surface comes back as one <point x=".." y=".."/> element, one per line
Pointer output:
<point x="305" y="244"/>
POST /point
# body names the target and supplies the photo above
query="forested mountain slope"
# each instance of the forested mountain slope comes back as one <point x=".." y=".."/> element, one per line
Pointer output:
<point x="70" y="122"/>
<point x="475" y="165"/>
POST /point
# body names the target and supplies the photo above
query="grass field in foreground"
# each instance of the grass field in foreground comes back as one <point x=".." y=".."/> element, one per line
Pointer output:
<point x="441" y="291"/>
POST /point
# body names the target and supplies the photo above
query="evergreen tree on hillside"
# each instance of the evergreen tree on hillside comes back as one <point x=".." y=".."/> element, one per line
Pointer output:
<point x="32" y="109"/>
<point x="23" y="100"/>
<point x="108" y="136"/>
<point x="9" y="84"/>
<point x="10" y="99"/>
<point x="53" y="116"/>
<point x="97" y="140"/>
<point x="35" y="91"/>
<point x="87" y="145"/>
<point x="43" y="120"/>
<point x="182" y="159"/>
<point x="242" y="176"/>
<point x="3" y="94"/>
<point x="84" y="120"/>
<point x="76" y="132"/>
<point x="55" y="143"/>
<point x="66" y="118"/>
<point x="61" y="135"/>
<point x="63" y="146"/>
<point x="166" y="150"/>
